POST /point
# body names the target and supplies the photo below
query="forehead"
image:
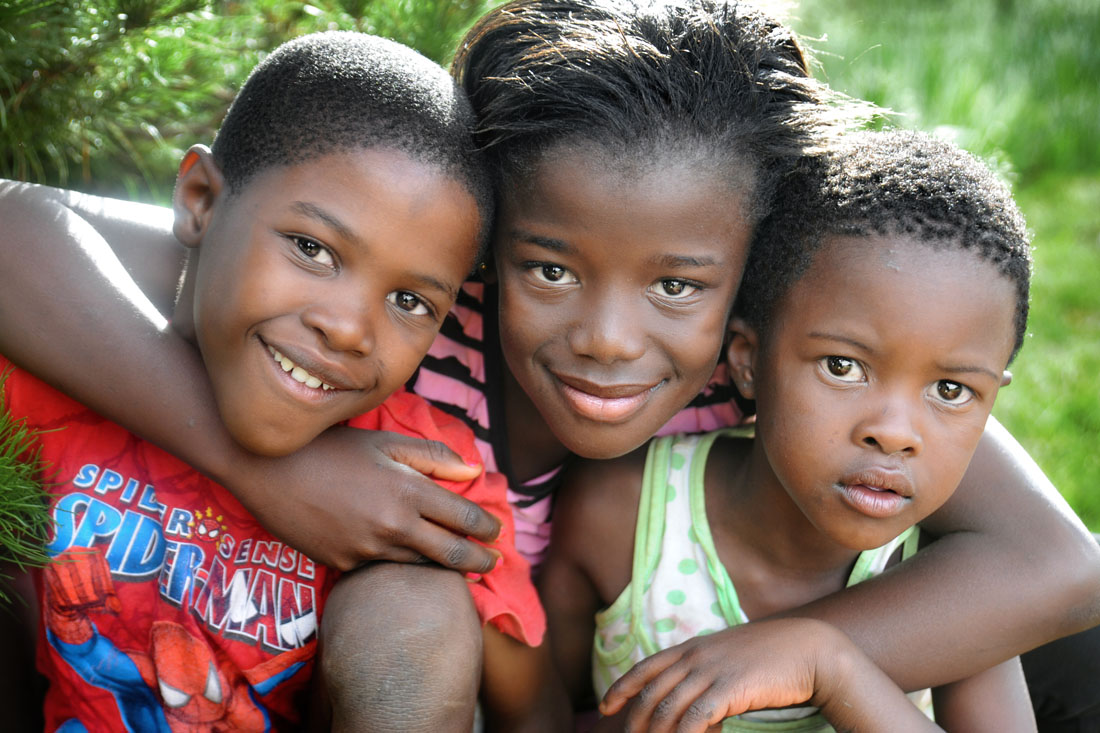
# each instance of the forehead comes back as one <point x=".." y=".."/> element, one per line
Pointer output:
<point x="899" y="287"/>
<point x="586" y="190"/>
<point x="379" y="197"/>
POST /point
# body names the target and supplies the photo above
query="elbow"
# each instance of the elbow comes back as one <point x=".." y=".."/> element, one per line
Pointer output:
<point x="1084" y="586"/>
<point x="1072" y="570"/>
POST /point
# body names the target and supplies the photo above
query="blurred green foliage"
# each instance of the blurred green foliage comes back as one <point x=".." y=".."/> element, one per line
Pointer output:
<point x="105" y="95"/>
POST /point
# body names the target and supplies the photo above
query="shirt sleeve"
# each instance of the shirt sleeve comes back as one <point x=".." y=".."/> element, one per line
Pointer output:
<point x="505" y="597"/>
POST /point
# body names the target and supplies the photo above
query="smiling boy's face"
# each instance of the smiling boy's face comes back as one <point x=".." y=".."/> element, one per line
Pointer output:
<point x="615" y="290"/>
<point x="320" y="286"/>
<point x="875" y="379"/>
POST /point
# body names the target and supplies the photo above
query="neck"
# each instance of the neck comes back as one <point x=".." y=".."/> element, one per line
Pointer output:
<point x="776" y="557"/>
<point x="532" y="447"/>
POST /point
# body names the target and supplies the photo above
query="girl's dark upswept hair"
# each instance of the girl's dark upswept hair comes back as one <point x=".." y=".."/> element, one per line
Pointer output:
<point x="721" y="80"/>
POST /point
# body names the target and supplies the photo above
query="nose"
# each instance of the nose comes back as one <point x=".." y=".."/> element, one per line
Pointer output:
<point x="344" y="323"/>
<point x="891" y="426"/>
<point x="608" y="330"/>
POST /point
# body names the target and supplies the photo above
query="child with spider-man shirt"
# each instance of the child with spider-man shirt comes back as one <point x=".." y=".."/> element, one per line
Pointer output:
<point x="333" y="222"/>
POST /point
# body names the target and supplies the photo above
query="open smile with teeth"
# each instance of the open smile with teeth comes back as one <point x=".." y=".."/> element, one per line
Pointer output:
<point x="298" y="373"/>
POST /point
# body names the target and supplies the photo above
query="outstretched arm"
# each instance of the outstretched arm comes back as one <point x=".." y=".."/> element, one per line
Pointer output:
<point x="70" y="314"/>
<point x="768" y="664"/>
<point x="794" y="661"/>
<point x="1013" y="569"/>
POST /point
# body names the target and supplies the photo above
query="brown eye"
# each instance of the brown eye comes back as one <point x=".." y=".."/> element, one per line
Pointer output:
<point x="673" y="288"/>
<point x="839" y="366"/>
<point x="553" y="273"/>
<point x="409" y="302"/>
<point x="314" y="251"/>
<point x="547" y="272"/>
<point x="953" y="393"/>
<point x="842" y="368"/>
<point x="949" y="390"/>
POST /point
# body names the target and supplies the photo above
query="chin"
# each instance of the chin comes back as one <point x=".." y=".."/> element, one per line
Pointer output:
<point x="271" y="443"/>
<point x="600" y="447"/>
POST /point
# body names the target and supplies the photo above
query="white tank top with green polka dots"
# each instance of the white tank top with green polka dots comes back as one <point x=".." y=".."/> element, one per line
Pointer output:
<point x="679" y="588"/>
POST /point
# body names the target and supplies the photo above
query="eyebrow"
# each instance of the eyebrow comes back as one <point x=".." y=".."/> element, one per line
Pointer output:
<point x="436" y="284"/>
<point x="560" y="246"/>
<point x="843" y="339"/>
<point x="674" y="261"/>
<point x="316" y="212"/>
<point x="550" y="243"/>
<point x="957" y="369"/>
<point x="971" y="369"/>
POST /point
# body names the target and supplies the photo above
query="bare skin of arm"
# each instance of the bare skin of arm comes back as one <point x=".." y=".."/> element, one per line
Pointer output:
<point x="996" y="699"/>
<point x="1011" y="548"/>
<point x="520" y="690"/>
<point x="65" y="319"/>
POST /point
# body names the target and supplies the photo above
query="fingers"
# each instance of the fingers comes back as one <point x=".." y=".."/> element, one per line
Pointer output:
<point x="431" y="458"/>
<point x="689" y="704"/>
<point x="438" y="545"/>
<point x="455" y="513"/>
<point x="634" y="681"/>
<point x="668" y="693"/>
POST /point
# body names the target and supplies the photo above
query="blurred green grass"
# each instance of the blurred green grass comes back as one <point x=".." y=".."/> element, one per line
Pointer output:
<point x="1019" y="84"/>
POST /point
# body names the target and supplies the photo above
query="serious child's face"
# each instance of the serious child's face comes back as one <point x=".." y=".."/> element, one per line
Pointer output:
<point x="876" y="379"/>
<point x="320" y="287"/>
<point x="615" y="289"/>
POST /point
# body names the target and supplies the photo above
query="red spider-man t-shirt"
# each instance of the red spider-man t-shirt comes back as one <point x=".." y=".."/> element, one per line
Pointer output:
<point x="168" y="607"/>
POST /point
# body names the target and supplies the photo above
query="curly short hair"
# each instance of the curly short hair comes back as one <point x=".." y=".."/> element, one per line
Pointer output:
<point x="340" y="90"/>
<point x="886" y="183"/>
<point x="719" y="80"/>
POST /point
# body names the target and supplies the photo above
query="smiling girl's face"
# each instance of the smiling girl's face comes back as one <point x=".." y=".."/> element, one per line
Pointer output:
<point x="615" y="288"/>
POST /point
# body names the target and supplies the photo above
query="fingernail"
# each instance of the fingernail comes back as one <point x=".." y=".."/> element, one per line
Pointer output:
<point x="473" y="464"/>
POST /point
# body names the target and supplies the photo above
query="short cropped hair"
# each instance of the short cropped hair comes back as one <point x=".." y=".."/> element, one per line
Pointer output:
<point x="720" y="81"/>
<point x="337" y="91"/>
<point x="886" y="183"/>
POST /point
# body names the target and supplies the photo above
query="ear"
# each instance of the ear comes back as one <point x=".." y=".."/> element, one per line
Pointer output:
<point x="487" y="268"/>
<point x="1006" y="378"/>
<point x="198" y="185"/>
<point x="741" y="356"/>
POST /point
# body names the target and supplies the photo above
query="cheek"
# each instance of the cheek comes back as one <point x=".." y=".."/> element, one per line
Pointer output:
<point x="524" y="323"/>
<point x="700" y="343"/>
<point x="951" y="451"/>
